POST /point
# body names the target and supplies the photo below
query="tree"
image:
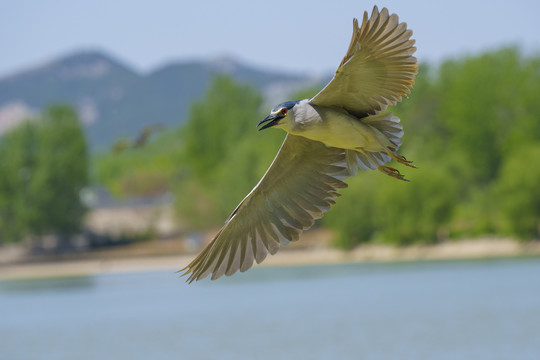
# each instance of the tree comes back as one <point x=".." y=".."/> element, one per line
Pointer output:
<point x="488" y="104"/>
<point x="466" y="124"/>
<point x="18" y="152"/>
<point x="61" y="174"/>
<point x="517" y="194"/>
<point x="44" y="168"/>
<point x="217" y="122"/>
<point x="141" y="171"/>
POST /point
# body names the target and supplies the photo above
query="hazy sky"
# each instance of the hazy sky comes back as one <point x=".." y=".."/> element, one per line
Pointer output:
<point x="297" y="36"/>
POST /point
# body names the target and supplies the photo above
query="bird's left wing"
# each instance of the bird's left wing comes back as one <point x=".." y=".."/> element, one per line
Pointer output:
<point x="298" y="188"/>
<point x="377" y="70"/>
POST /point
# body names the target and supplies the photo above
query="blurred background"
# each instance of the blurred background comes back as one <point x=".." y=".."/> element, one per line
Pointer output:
<point x="127" y="136"/>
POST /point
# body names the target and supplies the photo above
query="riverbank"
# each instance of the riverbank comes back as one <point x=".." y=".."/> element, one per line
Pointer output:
<point x="317" y="254"/>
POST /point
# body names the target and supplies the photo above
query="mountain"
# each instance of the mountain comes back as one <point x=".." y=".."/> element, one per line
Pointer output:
<point x="115" y="101"/>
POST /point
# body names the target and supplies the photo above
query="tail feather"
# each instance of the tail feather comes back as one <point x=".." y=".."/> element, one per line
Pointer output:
<point x="388" y="125"/>
<point x="365" y="160"/>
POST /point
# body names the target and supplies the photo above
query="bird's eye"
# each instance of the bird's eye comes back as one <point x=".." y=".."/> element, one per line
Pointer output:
<point x="284" y="111"/>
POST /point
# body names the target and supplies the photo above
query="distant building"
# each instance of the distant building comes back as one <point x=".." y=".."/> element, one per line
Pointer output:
<point x="132" y="217"/>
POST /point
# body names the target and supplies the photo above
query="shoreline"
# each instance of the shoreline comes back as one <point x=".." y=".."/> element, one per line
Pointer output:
<point x="484" y="248"/>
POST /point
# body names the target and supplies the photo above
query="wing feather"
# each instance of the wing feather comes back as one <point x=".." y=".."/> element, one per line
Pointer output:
<point x="377" y="70"/>
<point x="297" y="189"/>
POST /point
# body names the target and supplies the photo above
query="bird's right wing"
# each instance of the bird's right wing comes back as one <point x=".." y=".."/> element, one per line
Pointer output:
<point x="377" y="70"/>
<point x="298" y="188"/>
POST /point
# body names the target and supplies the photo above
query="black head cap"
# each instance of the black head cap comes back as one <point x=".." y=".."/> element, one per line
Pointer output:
<point x="287" y="104"/>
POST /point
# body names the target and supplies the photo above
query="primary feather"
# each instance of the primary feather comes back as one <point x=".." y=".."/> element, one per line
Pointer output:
<point x="298" y="188"/>
<point x="378" y="69"/>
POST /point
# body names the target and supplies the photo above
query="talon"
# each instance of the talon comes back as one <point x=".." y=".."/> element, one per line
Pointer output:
<point x="402" y="160"/>
<point x="392" y="172"/>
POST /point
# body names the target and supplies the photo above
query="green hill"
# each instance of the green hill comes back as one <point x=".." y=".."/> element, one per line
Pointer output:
<point x="115" y="101"/>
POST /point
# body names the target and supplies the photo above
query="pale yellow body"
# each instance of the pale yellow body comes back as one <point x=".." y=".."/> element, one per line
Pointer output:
<point x="344" y="132"/>
<point x="334" y="128"/>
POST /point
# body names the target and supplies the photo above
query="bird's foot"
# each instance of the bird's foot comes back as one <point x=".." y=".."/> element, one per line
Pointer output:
<point x="392" y="172"/>
<point x="401" y="159"/>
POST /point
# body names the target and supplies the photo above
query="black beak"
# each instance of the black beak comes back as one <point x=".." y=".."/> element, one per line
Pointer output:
<point x="270" y="120"/>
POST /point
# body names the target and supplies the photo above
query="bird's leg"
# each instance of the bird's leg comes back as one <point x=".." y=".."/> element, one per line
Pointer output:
<point x="401" y="159"/>
<point x="391" y="172"/>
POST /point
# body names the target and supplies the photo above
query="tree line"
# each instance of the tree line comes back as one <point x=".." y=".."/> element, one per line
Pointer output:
<point x="472" y="125"/>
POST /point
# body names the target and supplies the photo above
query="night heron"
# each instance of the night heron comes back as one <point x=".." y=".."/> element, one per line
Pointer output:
<point x="330" y="136"/>
<point x="140" y="141"/>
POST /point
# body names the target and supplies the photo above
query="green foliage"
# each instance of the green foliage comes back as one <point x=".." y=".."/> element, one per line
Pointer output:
<point x="489" y="105"/>
<point x="143" y="171"/>
<point x="19" y="163"/>
<point x="217" y="123"/>
<point x="377" y="207"/>
<point x="517" y="193"/>
<point x="44" y="168"/>
<point x="416" y="212"/>
<point x="354" y="216"/>
<point x="62" y="172"/>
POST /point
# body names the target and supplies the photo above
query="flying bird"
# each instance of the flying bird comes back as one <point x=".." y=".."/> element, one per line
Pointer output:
<point x="342" y="128"/>
<point x="140" y="141"/>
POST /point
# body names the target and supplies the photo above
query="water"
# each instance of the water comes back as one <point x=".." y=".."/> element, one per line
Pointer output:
<point x="446" y="310"/>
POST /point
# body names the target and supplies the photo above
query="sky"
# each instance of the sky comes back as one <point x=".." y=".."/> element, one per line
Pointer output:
<point x="308" y="37"/>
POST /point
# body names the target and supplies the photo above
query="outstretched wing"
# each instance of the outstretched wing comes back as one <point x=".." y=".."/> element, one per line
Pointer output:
<point x="298" y="188"/>
<point x="378" y="69"/>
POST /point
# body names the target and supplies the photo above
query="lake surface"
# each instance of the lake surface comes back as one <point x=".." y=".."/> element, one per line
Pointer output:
<point x="434" y="310"/>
